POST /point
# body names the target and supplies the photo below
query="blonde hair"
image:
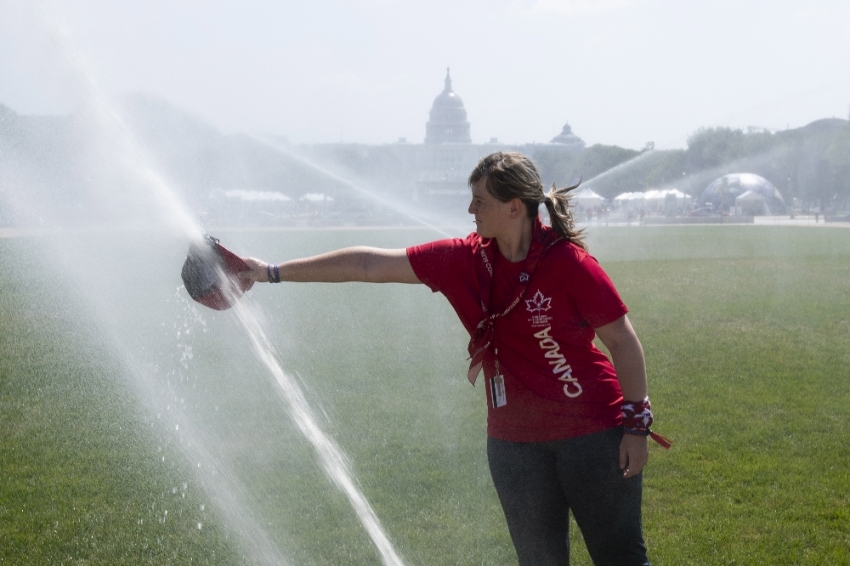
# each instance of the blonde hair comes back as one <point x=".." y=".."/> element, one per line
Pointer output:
<point x="510" y="175"/>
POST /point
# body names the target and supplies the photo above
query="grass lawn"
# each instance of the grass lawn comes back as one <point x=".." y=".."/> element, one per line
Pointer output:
<point x="109" y="384"/>
<point x="83" y="477"/>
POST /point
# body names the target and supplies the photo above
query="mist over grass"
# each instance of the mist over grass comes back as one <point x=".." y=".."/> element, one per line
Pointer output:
<point x="747" y="338"/>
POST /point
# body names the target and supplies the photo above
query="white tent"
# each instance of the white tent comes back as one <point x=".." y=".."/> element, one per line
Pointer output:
<point x="625" y="198"/>
<point x="254" y="196"/>
<point x="751" y="202"/>
<point x="587" y="198"/>
<point x="654" y="195"/>
<point x="629" y="201"/>
<point x="679" y="194"/>
<point x="661" y="195"/>
<point x="315" y="197"/>
<point x="654" y="199"/>
<point x="749" y="196"/>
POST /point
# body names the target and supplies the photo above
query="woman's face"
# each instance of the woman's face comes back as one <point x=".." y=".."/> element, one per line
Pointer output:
<point x="491" y="214"/>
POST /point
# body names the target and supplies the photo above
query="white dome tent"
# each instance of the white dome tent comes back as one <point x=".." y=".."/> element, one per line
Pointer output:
<point x="722" y="193"/>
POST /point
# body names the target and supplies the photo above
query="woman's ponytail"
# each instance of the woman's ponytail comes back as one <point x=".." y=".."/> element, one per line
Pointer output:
<point x="561" y="217"/>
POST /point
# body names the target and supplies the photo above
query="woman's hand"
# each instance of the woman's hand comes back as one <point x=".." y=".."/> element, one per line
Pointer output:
<point x="258" y="272"/>
<point x="634" y="454"/>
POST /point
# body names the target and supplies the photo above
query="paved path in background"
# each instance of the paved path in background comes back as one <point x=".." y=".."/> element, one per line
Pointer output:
<point x="757" y="221"/>
<point x="9" y="232"/>
<point x="798" y="221"/>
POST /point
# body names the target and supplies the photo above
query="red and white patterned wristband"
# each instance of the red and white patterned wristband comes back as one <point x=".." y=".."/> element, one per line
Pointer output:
<point x="637" y="418"/>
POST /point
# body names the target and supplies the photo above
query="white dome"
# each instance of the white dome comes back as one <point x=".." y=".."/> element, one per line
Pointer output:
<point x="722" y="192"/>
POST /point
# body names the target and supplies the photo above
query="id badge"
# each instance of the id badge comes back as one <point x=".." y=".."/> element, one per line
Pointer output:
<point x="497" y="392"/>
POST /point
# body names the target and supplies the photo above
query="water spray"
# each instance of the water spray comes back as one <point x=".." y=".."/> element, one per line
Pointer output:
<point x="624" y="165"/>
<point x="363" y="191"/>
<point x="211" y="276"/>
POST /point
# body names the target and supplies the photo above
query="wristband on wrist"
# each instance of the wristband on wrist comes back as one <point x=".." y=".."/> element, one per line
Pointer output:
<point x="637" y="418"/>
<point x="273" y="273"/>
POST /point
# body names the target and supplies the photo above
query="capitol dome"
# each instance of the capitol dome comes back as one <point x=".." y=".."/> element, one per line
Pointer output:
<point x="447" y="122"/>
<point x="722" y="192"/>
<point x="568" y="139"/>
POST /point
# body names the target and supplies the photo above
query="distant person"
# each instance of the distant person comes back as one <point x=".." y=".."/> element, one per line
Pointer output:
<point x="567" y="427"/>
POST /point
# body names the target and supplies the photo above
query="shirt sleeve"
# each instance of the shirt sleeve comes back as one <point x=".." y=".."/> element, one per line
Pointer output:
<point x="596" y="298"/>
<point x="438" y="264"/>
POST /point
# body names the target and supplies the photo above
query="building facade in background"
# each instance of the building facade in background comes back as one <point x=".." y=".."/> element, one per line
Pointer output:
<point x="437" y="169"/>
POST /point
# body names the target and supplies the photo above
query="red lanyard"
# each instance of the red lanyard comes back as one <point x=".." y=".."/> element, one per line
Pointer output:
<point x="542" y="239"/>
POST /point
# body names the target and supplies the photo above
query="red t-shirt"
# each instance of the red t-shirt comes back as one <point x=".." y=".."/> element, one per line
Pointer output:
<point x="549" y="333"/>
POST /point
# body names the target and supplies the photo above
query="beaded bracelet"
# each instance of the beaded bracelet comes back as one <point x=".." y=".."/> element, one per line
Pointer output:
<point x="637" y="418"/>
<point x="276" y="277"/>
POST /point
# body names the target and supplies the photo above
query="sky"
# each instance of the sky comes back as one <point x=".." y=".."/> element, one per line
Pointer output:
<point x="621" y="72"/>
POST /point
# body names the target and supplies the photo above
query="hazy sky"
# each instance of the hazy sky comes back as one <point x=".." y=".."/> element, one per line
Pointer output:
<point x="621" y="72"/>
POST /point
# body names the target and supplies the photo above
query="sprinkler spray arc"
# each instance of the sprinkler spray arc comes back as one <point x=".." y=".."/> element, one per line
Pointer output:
<point x="125" y="150"/>
<point x="361" y="190"/>
<point x="211" y="275"/>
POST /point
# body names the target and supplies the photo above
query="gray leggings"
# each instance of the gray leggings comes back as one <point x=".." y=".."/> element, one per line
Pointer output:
<point x="539" y="483"/>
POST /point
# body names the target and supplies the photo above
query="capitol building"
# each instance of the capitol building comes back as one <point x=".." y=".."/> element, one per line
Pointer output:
<point x="437" y="169"/>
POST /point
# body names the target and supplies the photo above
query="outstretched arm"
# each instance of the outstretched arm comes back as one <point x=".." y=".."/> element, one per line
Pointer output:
<point x="369" y="265"/>
<point x="627" y="356"/>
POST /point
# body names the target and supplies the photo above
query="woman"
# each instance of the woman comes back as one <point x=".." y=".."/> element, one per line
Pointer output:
<point x="561" y="437"/>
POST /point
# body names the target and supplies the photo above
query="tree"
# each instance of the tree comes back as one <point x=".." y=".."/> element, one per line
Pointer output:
<point x="711" y="147"/>
<point x="838" y="157"/>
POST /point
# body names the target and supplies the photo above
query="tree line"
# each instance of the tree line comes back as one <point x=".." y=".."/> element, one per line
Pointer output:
<point x="811" y="163"/>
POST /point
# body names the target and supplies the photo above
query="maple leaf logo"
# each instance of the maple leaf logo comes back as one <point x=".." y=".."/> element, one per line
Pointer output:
<point x="538" y="303"/>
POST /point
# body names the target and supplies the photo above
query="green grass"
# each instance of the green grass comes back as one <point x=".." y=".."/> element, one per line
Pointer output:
<point x="748" y="351"/>
<point x="83" y="479"/>
<point x="747" y="337"/>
